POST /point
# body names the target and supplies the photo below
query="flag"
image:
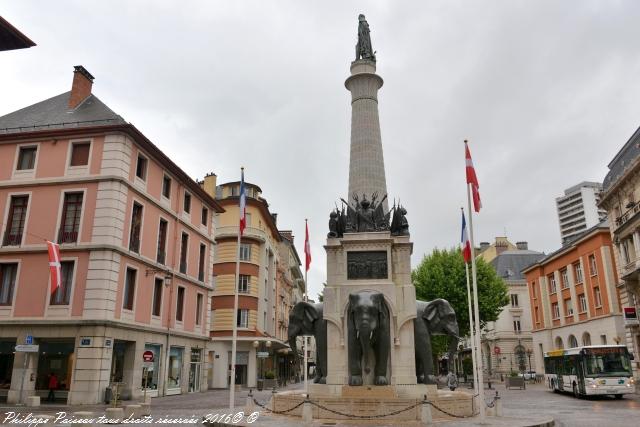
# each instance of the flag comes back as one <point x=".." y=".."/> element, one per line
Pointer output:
<point x="243" y="204"/>
<point x="307" y="247"/>
<point x="54" y="265"/>
<point x="464" y="239"/>
<point x="472" y="179"/>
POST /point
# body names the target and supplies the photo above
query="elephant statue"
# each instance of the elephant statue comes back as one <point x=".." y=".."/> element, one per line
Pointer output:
<point x="307" y="319"/>
<point x="435" y="317"/>
<point x="368" y="331"/>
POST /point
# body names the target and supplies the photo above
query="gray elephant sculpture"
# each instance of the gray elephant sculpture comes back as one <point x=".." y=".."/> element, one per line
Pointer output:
<point x="368" y="331"/>
<point x="435" y="317"/>
<point x="307" y="319"/>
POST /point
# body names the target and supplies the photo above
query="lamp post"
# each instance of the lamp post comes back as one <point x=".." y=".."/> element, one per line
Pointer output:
<point x="263" y="346"/>
<point x="529" y="353"/>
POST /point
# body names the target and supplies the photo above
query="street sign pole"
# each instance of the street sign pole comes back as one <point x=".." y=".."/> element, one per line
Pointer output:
<point x="25" y="364"/>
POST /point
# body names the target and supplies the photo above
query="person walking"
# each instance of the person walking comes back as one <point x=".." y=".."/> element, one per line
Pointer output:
<point x="53" y="385"/>
<point x="452" y="381"/>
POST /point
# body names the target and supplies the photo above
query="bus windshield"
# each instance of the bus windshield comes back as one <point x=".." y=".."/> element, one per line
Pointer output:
<point x="608" y="362"/>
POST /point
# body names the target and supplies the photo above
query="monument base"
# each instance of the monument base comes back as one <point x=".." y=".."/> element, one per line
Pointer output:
<point x="351" y="402"/>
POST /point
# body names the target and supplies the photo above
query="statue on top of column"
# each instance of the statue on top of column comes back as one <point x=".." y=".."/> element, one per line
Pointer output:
<point x="364" y="50"/>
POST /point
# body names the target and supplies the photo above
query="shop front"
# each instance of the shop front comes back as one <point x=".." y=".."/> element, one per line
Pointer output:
<point x="174" y="374"/>
<point x="195" y="370"/>
<point x="151" y="373"/>
<point x="7" y="348"/>
<point x="56" y="358"/>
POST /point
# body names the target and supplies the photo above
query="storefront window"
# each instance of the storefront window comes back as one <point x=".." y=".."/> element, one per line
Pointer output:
<point x="175" y="367"/>
<point x="194" y="370"/>
<point x="6" y="363"/>
<point x="56" y="357"/>
<point x="152" y="371"/>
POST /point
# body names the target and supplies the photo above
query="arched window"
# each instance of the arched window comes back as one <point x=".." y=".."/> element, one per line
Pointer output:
<point x="573" y="342"/>
<point x="586" y="339"/>
<point x="559" y="344"/>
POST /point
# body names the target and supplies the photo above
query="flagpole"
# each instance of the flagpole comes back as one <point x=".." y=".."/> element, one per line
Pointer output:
<point x="473" y="333"/>
<point x="234" y="339"/>
<point x="306" y="299"/>
<point x="476" y="310"/>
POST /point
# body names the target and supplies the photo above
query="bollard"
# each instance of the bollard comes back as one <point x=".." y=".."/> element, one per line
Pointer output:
<point x="498" y="405"/>
<point x="426" y="419"/>
<point x="273" y="399"/>
<point x="132" y="411"/>
<point x="33" y="401"/>
<point x="84" y="415"/>
<point x="114" y="415"/>
<point x="249" y="405"/>
<point x="307" y="413"/>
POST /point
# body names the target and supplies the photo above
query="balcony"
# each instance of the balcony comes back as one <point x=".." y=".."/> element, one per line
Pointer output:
<point x="630" y="213"/>
<point x="67" y="236"/>
<point x="249" y="232"/>
<point x="12" y="238"/>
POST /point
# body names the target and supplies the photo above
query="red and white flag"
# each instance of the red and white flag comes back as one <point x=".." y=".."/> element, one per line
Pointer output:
<point x="307" y="247"/>
<point x="243" y="204"/>
<point x="54" y="265"/>
<point x="472" y="179"/>
<point x="464" y="239"/>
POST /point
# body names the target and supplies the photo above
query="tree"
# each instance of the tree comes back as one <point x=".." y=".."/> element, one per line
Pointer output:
<point x="442" y="275"/>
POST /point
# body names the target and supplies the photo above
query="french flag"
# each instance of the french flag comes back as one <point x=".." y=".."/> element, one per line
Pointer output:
<point x="243" y="204"/>
<point x="464" y="239"/>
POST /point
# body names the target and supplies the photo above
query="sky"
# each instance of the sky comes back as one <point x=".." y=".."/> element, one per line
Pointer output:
<point x="546" y="92"/>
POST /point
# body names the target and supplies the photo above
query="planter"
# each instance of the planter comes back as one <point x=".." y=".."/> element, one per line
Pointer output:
<point x="514" y="382"/>
<point x="270" y="383"/>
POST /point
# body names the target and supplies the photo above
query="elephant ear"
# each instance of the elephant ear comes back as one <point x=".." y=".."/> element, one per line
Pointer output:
<point x="432" y="312"/>
<point x="380" y="305"/>
<point x="310" y="312"/>
<point x="304" y="309"/>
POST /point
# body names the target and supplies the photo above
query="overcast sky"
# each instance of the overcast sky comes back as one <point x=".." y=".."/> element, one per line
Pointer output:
<point x="547" y="92"/>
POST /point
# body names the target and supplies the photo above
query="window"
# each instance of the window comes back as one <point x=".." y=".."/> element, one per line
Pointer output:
<point x="203" y="251"/>
<point x="16" y="220"/>
<point x="577" y="268"/>
<point x="235" y="190"/>
<point x="552" y="284"/>
<point x="516" y="326"/>
<point x="625" y="251"/>
<point x="136" y="227"/>
<point x="247" y="217"/>
<point x="157" y="297"/>
<point x="243" y="318"/>
<point x="166" y="187"/>
<point x="80" y="154"/>
<point x="597" y="297"/>
<point x="199" y="300"/>
<point x="243" y="283"/>
<point x="7" y="282"/>
<point x="162" y="241"/>
<point x="568" y="305"/>
<point x="187" y="202"/>
<point x="141" y="168"/>
<point x="514" y="300"/>
<point x="582" y="299"/>
<point x="586" y="338"/>
<point x="592" y="265"/>
<point x="183" y="253"/>
<point x="70" y="223"/>
<point x="537" y="314"/>
<point x="564" y="278"/>
<point x="573" y="341"/>
<point x="26" y="158"/>
<point x="205" y="216"/>
<point x="245" y="251"/>
<point x="534" y="290"/>
<point x="180" y="304"/>
<point x="555" y="310"/>
<point x="62" y="295"/>
<point x="129" y="289"/>
<point x="603" y="339"/>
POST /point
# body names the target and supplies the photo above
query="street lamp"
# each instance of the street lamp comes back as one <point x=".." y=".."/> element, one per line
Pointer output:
<point x="529" y="353"/>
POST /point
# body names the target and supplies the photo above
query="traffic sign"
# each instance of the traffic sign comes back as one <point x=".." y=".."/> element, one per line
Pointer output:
<point x="147" y="365"/>
<point x="262" y="354"/>
<point x="497" y="350"/>
<point x="26" y="348"/>
<point x="28" y="340"/>
<point x="147" y="356"/>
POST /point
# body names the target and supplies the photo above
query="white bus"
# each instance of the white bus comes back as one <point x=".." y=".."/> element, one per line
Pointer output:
<point x="590" y="370"/>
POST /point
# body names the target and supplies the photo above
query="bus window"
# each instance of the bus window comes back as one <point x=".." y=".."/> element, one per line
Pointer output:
<point x="608" y="364"/>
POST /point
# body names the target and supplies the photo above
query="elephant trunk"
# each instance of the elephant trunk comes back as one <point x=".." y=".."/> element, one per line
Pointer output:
<point x="292" y="342"/>
<point x="365" y="335"/>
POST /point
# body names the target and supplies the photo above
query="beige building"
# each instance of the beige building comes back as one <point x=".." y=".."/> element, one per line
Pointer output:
<point x="621" y="198"/>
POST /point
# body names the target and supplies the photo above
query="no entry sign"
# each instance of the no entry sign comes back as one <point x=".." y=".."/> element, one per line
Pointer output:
<point x="147" y="356"/>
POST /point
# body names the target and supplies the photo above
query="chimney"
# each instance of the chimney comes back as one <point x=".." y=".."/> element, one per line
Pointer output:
<point x="501" y="245"/>
<point x="209" y="184"/>
<point x="484" y="246"/>
<point x="81" y="87"/>
<point x="522" y="246"/>
<point x="275" y="218"/>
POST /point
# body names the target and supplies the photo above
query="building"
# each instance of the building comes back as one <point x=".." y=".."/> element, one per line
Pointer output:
<point x="578" y="209"/>
<point x="507" y="344"/>
<point x="11" y="38"/>
<point x="489" y="251"/>
<point x="136" y="240"/>
<point x="574" y="295"/>
<point x="261" y="280"/>
<point x="621" y="199"/>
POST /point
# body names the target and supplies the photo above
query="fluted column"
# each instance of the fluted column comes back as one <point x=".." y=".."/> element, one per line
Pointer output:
<point x="366" y="164"/>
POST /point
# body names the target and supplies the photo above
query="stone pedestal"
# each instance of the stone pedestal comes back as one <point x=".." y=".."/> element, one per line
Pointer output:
<point x="398" y="291"/>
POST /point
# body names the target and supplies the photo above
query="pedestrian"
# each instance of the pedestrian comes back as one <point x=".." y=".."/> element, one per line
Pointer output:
<point x="452" y="381"/>
<point x="53" y="385"/>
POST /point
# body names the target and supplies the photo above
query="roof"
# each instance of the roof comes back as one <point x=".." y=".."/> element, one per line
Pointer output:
<point x="509" y="264"/>
<point x="627" y="156"/>
<point x="54" y="113"/>
<point x="11" y="38"/>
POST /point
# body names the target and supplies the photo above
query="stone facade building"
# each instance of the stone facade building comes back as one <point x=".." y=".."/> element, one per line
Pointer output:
<point x="574" y="295"/>
<point x="136" y="239"/>
<point x="621" y="199"/>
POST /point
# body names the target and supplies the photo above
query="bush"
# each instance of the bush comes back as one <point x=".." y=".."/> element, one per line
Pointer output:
<point x="269" y="375"/>
<point x="513" y="374"/>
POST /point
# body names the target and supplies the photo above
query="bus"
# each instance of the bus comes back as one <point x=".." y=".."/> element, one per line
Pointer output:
<point x="590" y="370"/>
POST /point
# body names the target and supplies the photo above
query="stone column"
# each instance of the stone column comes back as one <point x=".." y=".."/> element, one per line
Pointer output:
<point x="366" y="164"/>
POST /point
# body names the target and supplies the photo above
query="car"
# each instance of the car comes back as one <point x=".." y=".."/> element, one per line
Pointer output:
<point x="528" y="375"/>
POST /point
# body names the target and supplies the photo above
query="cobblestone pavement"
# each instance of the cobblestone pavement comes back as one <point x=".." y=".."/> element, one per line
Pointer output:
<point x="534" y="403"/>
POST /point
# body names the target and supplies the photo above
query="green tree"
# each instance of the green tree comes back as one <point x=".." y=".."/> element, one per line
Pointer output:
<point x="442" y="275"/>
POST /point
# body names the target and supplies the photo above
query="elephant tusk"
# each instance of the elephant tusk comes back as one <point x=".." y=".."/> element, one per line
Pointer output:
<point x="371" y="335"/>
<point x="357" y="334"/>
